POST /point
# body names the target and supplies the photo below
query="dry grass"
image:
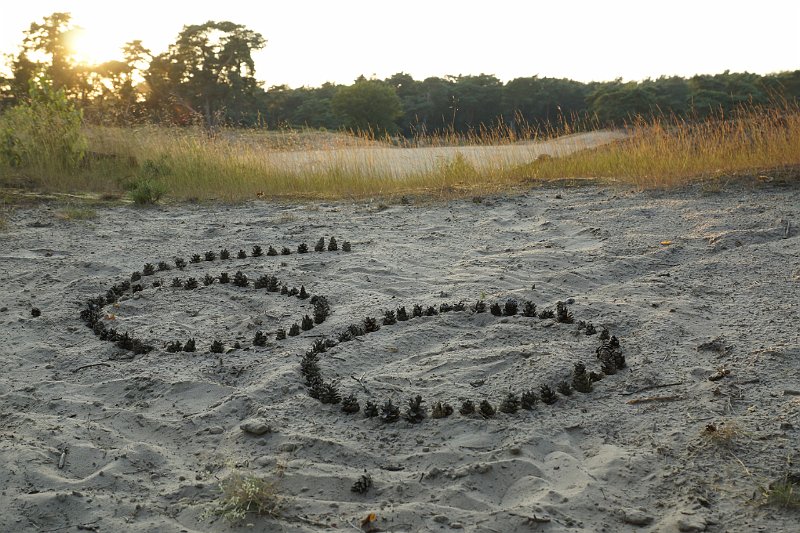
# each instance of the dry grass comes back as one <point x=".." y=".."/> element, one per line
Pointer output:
<point x="671" y="152"/>
<point x="76" y="213"/>
<point x="239" y="165"/>
<point x="248" y="495"/>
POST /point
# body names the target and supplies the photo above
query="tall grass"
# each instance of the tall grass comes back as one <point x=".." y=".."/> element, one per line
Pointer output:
<point x="668" y="152"/>
<point x="235" y="164"/>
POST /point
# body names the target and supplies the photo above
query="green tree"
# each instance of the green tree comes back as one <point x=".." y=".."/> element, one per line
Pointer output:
<point x="209" y="73"/>
<point x="369" y="105"/>
<point x="44" y="132"/>
<point x="45" y="51"/>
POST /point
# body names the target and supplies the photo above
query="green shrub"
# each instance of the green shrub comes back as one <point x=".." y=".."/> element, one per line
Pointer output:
<point x="147" y="191"/>
<point x="43" y="133"/>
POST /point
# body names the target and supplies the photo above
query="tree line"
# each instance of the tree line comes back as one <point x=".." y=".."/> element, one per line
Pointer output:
<point x="207" y="76"/>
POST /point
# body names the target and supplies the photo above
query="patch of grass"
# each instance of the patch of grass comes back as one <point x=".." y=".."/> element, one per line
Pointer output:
<point x="670" y="152"/>
<point x="244" y="495"/>
<point x="784" y="493"/>
<point x="77" y="213"/>
<point x="236" y="165"/>
<point x="725" y="434"/>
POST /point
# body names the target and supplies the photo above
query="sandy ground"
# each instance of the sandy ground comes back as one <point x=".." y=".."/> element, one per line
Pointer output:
<point x="400" y="162"/>
<point x="143" y="441"/>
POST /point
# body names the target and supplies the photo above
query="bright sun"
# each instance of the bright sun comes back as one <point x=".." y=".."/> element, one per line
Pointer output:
<point x="91" y="48"/>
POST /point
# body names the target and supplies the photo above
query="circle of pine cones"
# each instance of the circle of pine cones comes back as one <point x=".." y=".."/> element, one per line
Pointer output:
<point x="608" y="354"/>
<point x="96" y="318"/>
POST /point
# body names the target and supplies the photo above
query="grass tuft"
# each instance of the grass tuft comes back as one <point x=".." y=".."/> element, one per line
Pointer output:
<point x="248" y="495"/>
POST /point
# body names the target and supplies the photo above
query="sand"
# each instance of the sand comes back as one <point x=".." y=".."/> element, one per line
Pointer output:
<point x="95" y="438"/>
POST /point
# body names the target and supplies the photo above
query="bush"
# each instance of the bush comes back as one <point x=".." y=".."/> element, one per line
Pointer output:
<point x="147" y="191"/>
<point x="43" y="133"/>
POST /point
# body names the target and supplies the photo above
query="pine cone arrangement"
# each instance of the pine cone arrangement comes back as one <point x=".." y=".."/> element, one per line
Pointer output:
<point x="210" y="256"/>
<point x="286" y="251"/>
<point x="564" y="388"/>
<point x="302" y="248"/>
<point x="415" y="412"/>
<point x="174" y="347"/>
<point x="136" y="276"/>
<point x="467" y="407"/>
<point x="346" y="246"/>
<point x="510" y="308"/>
<point x="195" y="258"/>
<point x="148" y="269"/>
<point x="590" y="329"/>
<point x="224" y="278"/>
<point x="272" y="252"/>
<point x="242" y="254"/>
<point x="330" y="393"/>
<point x="431" y="311"/>
<point x="177" y="282"/>
<point x="510" y="404"/>
<point x="224" y="254"/>
<point x="479" y="307"/>
<point x="306" y="323"/>
<point x="190" y="284"/>
<point x="370" y="410"/>
<point x="217" y="347"/>
<point x="389" y="412"/>
<point x="320" y="246"/>
<point x="562" y="314"/>
<point x="257" y="252"/>
<point x="208" y="279"/>
<point x="547" y="313"/>
<point x="529" y="309"/>
<point x="495" y="309"/>
<point x="528" y="400"/>
<point x="441" y="410"/>
<point x="362" y="485"/>
<point x="303" y="294"/>
<point x="333" y="245"/>
<point x="389" y="318"/>
<point x="180" y="263"/>
<point x="280" y="334"/>
<point x="402" y="315"/>
<point x="162" y="266"/>
<point x="240" y="279"/>
<point x="416" y="311"/>
<point x="547" y="395"/>
<point x="371" y="325"/>
<point x="486" y="410"/>
<point x="580" y="379"/>
<point x="322" y="310"/>
<point x="350" y="404"/>
<point x="190" y="346"/>
<point x="294" y="330"/>
<point x="260" y="339"/>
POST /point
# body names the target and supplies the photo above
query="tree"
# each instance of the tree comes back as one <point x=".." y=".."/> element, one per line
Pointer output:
<point x="45" y="52"/>
<point x="208" y="72"/>
<point x="369" y="105"/>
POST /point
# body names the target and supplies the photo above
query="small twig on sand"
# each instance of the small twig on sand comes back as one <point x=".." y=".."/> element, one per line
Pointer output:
<point x="786" y="232"/>
<point x="361" y="380"/>
<point x="309" y="521"/>
<point x="650" y="399"/>
<point x="651" y="387"/>
<point x="74" y="370"/>
<point x="63" y="458"/>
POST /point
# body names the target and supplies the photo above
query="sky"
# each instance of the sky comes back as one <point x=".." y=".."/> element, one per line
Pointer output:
<point x="311" y="42"/>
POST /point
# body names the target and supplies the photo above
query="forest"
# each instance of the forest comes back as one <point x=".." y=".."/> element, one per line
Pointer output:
<point x="207" y="77"/>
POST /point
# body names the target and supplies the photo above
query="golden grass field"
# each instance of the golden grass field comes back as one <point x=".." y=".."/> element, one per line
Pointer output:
<point x="235" y="165"/>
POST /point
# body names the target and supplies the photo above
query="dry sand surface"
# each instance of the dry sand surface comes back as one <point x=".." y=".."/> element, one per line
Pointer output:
<point x="399" y="162"/>
<point x="95" y="438"/>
